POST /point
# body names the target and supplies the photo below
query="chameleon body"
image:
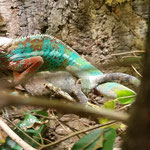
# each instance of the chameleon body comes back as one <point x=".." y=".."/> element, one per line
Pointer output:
<point x="66" y="82"/>
<point x="27" y="55"/>
<point x="61" y="79"/>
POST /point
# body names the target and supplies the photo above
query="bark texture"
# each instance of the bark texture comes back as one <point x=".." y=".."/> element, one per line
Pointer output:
<point x="138" y="132"/>
<point x="91" y="27"/>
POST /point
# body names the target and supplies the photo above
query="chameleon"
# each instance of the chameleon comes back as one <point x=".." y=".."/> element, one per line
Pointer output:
<point x="35" y="86"/>
<point x="27" y="55"/>
<point x="63" y="80"/>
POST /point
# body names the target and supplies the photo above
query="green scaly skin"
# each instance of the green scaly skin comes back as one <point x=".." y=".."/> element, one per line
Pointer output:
<point x="27" y="55"/>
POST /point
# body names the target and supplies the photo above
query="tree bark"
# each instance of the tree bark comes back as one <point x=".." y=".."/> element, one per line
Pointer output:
<point x="91" y="27"/>
<point x="138" y="131"/>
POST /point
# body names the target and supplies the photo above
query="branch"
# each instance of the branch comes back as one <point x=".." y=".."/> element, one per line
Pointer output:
<point x="79" y="109"/>
<point x="76" y="133"/>
<point x="30" y="138"/>
<point x="14" y="136"/>
<point x="124" y="53"/>
<point x="58" y="91"/>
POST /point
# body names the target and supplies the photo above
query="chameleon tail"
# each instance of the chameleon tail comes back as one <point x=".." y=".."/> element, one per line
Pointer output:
<point x="108" y="89"/>
<point x="118" y="76"/>
<point x="91" y="77"/>
<point x="105" y="87"/>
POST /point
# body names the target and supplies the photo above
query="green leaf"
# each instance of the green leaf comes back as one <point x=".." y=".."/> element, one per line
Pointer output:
<point x="109" y="139"/>
<point x="28" y="122"/>
<point x="28" y="126"/>
<point x="101" y="139"/>
<point x="91" y="141"/>
<point x="41" y="112"/>
<point x="108" y="105"/>
<point x="125" y="96"/>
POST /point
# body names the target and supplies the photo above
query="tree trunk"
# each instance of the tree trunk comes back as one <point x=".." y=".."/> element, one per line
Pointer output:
<point x="138" y="132"/>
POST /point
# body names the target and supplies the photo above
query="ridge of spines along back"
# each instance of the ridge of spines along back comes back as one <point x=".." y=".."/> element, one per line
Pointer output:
<point x="31" y="36"/>
<point x="42" y="36"/>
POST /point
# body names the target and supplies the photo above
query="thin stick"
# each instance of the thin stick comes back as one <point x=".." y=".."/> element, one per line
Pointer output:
<point x="58" y="91"/>
<point x="124" y="107"/>
<point x="127" y="53"/>
<point x="138" y="57"/>
<point x="132" y="96"/>
<point x="76" y="133"/>
<point x="59" y="122"/>
<point x="23" y="132"/>
<point x="14" y="136"/>
<point x="136" y="70"/>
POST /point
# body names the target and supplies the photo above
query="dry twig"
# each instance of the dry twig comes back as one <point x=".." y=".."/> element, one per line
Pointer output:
<point x="58" y="91"/>
<point x="14" y="136"/>
<point x="118" y="54"/>
<point x="136" y="70"/>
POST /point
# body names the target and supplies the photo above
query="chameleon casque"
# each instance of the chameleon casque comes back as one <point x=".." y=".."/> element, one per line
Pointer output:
<point x="27" y="55"/>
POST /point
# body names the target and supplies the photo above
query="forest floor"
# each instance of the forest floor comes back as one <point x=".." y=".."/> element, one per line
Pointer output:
<point x="57" y="125"/>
